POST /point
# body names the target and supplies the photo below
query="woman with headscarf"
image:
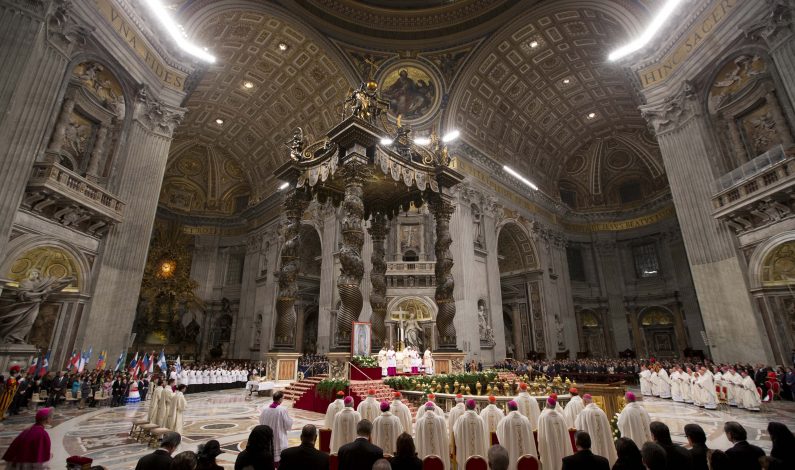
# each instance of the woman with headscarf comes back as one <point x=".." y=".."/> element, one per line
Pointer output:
<point x="207" y="454"/>
<point x="258" y="454"/>
<point x="30" y="450"/>
<point x="783" y="452"/>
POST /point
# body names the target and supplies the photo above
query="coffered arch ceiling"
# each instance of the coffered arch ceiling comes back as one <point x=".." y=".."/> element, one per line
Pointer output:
<point x="300" y="86"/>
<point x="525" y="96"/>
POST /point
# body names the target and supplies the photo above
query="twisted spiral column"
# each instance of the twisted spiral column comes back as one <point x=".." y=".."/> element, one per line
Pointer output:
<point x="284" y="332"/>
<point x="442" y="210"/>
<point x="378" y="231"/>
<point x="350" y="255"/>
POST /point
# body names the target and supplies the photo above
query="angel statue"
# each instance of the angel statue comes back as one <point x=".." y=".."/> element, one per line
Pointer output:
<point x="17" y="318"/>
<point x="296" y="144"/>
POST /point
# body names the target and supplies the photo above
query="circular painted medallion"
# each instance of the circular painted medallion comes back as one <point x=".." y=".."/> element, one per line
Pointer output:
<point x="412" y="89"/>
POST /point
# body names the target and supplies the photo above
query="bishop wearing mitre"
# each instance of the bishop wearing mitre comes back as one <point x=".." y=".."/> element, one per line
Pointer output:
<point x="491" y="416"/>
<point x="573" y="407"/>
<point x="368" y="408"/>
<point x="344" y="429"/>
<point x="386" y="429"/>
<point x="553" y="437"/>
<point x="431" y="435"/>
<point x="402" y="411"/>
<point x="528" y="405"/>
<point x="470" y="435"/>
<point x="515" y="433"/>
<point x="594" y="421"/>
<point x="455" y="412"/>
<point x="634" y="421"/>
<point x="436" y="409"/>
<point x="333" y="408"/>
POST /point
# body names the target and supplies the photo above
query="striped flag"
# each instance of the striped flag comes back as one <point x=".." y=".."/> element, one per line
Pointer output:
<point x="119" y="361"/>
<point x="34" y="364"/>
<point x="85" y="358"/>
<point x="101" y="360"/>
<point x="161" y="362"/>
<point x="133" y="363"/>
<point x="41" y="371"/>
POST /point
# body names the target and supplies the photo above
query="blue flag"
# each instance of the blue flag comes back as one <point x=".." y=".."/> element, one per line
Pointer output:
<point x="161" y="362"/>
<point x="119" y="361"/>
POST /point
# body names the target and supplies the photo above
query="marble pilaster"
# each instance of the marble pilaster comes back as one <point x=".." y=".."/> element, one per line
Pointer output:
<point x="328" y="269"/>
<point x="493" y="282"/>
<point x="612" y="285"/>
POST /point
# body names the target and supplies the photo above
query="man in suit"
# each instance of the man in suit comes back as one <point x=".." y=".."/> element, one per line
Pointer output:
<point x="360" y="454"/>
<point x="304" y="456"/>
<point x="584" y="459"/>
<point x="697" y="439"/>
<point x="161" y="458"/>
<point x="743" y="456"/>
<point x="676" y="456"/>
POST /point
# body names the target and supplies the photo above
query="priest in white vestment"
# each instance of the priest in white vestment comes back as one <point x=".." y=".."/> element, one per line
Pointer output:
<point x="427" y="361"/>
<point x="368" y="408"/>
<point x="706" y="384"/>
<point x="554" y="442"/>
<point x="163" y="405"/>
<point x="382" y="362"/>
<point x="573" y="408"/>
<point x="645" y="381"/>
<point x="594" y="421"/>
<point x="634" y="421"/>
<point x="654" y="379"/>
<point x="155" y="402"/>
<point x="685" y="379"/>
<point x="734" y="385"/>
<point x="280" y="422"/>
<point x="491" y="415"/>
<point x="391" y="362"/>
<point x="179" y="403"/>
<point x="333" y="408"/>
<point x="749" y="396"/>
<point x="455" y="412"/>
<point x="403" y="413"/>
<point x="344" y="429"/>
<point x="436" y="408"/>
<point x="515" y="433"/>
<point x="386" y="429"/>
<point x="676" y="385"/>
<point x="431" y="435"/>
<point x="665" y="383"/>
<point x="528" y="405"/>
<point x="470" y="435"/>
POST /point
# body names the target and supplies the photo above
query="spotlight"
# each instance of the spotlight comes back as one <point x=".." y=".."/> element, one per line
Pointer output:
<point x="533" y="44"/>
<point x="591" y="115"/>
<point x="422" y="141"/>
<point x="284" y="185"/>
<point x="219" y="121"/>
<point x="451" y="136"/>
<point x="386" y="141"/>
<point x="248" y="85"/>
<point x="282" y="46"/>
<point x="566" y="81"/>
<point x="521" y="178"/>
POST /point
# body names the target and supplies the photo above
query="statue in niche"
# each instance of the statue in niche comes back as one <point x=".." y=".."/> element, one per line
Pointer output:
<point x="486" y="332"/>
<point x="17" y="319"/>
<point x="263" y="259"/>
<point x="477" y="232"/>
<point x="257" y="333"/>
<point x="559" y="333"/>
<point x="413" y="332"/>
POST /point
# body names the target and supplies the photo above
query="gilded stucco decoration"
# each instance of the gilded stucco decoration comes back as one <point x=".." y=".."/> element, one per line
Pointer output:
<point x="655" y="316"/>
<point x="778" y="267"/>
<point x="50" y="262"/>
<point x="411" y="308"/>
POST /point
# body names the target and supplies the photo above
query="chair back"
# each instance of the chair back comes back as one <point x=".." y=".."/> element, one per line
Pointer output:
<point x="432" y="462"/>
<point x="68" y="394"/>
<point x="325" y="440"/>
<point x="333" y="462"/>
<point x="35" y="397"/>
<point x="527" y="462"/>
<point x="494" y="440"/>
<point x="476" y="462"/>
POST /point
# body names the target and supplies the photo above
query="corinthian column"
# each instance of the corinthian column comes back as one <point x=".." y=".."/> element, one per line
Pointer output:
<point x="442" y="210"/>
<point x="284" y="332"/>
<point x="378" y="231"/>
<point x="776" y="28"/>
<point x="351" y="264"/>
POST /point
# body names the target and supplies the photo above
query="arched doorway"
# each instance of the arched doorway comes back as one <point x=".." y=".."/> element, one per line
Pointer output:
<point x="406" y="313"/>
<point x="592" y="333"/>
<point x="507" y="319"/>
<point x="658" y="332"/>
<point x="309" y="341"/>
<point x="306" y="305"/>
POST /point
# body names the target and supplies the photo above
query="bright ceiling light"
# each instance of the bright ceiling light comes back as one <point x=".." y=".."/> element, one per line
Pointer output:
<point x="521" y="178"/>
<point x="282" y="46"/>
<point x="176" y="33"/>
<point x="248" y="85"/>
<point x="566" y="81"/>
<point x="422" y="141"/>
<point x="451" y="136"/>
<point x="284" y="185"/>
<point x="591" y="115"/>
<point x="386" y="141"/>
<point x="662" y="16"/>
<point x="533" y="44"/>
<point x="219" y="121"/>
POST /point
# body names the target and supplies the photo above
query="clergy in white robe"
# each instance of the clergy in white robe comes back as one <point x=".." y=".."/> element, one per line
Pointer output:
<point x="391" y="362"/>
<point x="734" y="385"/>
<point x="154" y="403"/>
<point x="436" y="409"/>
<point x="368" y="407"/>
<point x="403" y="413"/>
<point x="528" y="405"/>
<point x="183" y="377"/>
<point x="676" y="386"/>
<point x="280" y="423"/>
<point x="491" y="415"/>
<point x="685" y="379"/>
<point x="706" y="383"/>
<point x="515" y="433"/>
<point x="386" y="429"/>
<point x="427" y="361"/>
<point x="573" y="408"/>
<point x="382" y="363"/>
<point x="470" y="435"/>
<point x="553" y="437"/>
<point x="455" y="412"/>
<point x="333" y="408"/>
<point x="594" y="421"/>
<point x="162" y="406"/>
<point x="634" y="421"/>
<point x="654" y="380"/>
<point x="431" y="435"/>
<point x="645" y="381"/>
<point x="178" y="409"/>
<point x="664" y="383"/>
<point x="749" y="396"/>
<point x="344" y="429"/>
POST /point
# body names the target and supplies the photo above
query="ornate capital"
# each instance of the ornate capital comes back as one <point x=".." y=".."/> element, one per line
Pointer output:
<point x="155" y="114"/>
<point x="777" y="23"/>
<point x="64" y="28"/>
<point x="673" y="111"/>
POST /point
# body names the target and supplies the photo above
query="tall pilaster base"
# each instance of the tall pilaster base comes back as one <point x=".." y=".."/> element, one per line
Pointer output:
<point x="282" y="365"/>
<point x="448" y="362"/>
<point x="338" y="364"/>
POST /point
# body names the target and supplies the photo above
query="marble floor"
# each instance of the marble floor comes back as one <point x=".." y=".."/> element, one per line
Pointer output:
<point x="228" y="416"/>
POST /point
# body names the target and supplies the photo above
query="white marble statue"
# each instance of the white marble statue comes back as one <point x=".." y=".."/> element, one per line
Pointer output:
<point x="17" y="319"/>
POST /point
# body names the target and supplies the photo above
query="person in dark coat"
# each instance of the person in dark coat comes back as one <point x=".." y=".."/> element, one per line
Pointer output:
<point x="743" y="456"/>
<point x="629" y="457"/>
<point x="676" y="456"/>
<point x="143" y="388"/>
<point x="783" y="452"/>
<point x="304" y="456"/>
<point x="116" y="391"/>
<point x="697" y="439"/>
<point x="161" y="458"/>
<point x="206" y="456"/>
<point x="360" y="454"/>
<point x="584" y="459"/>
<point x="406" y="454"/>
<point x="258" y="454"/>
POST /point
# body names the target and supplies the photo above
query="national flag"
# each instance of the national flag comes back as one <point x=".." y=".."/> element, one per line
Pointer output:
<point x="101" y="360"/>
<point x="85" y="358"/>
<point x="146" y="363"/>
<point x="151" y="367"/>
<point x="74" y="359"/>
<point x="119" y="361"/>
<point x="41" y="371"/>
<point x="133" y="363"/>
<point x="34" y="364"/>
<point x="178" y="365"/>
<point x="161" y="362"/>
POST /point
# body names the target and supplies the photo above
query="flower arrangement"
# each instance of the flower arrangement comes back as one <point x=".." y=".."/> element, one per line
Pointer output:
<point x="437" y="383"/>
<point x="327" y="388"/>
<point x="365" y="361"/>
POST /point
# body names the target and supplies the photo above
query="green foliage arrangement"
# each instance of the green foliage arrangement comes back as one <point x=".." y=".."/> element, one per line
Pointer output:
<point x="424" y="382"/>
<point x="328" y="388"/>
<point x="365" y="361"/>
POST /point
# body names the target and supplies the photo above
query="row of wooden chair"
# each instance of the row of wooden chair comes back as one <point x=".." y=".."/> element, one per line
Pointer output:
<point x="433" y="462"/>
<point x="144" y="431"/>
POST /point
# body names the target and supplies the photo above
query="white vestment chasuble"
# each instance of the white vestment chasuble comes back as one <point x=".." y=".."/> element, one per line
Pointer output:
<point x="515" y="433"/>
<point x="163" y="406"/>
<point x="421" y="411"/>
<point x="491" y="416"/>
<point x="665" y="384"/>
<point x="645" y="382"/>
<point x="279" y="420"/>
<point x="333" y="408"/>
<point x="676" y="387"/>
<point x="706" y="385"/>
<point x="344" y="429"/>
<point x="154" y="403"/>
<point x="399" y="409"/>
<point x="749" y="397"/>
<point x="386" y="429"/>
<point x="594" y="421"/>
<point x="633" y="422"/>
<point x="528" y="406"/>
<point x="432" y="438"/>
<point x="369" y="408"/>
<point x="456" y="412"/>
<point x="553" y="439"/>
<point x="178" y="412"/>
<point x="573" y="408"/>
<point x="470" y="437"/>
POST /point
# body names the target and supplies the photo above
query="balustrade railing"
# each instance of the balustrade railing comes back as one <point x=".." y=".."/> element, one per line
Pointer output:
<point x="54" y="177"/>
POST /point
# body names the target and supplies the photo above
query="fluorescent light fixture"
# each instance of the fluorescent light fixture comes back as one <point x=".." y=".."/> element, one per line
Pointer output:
<point x="451" y="136"/>
<point x="386" y="141"/>
<point x="422" y="141"/>
<point x="176" y="32"/>
<point x="662" y="16"/>
<point x="521" y="178"/>
<point x="284" y="185"/>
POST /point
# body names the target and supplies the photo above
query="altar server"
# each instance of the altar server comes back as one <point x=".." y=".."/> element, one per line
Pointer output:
<point x="431" y="435"/>
<point x="553" y="437"/>
<point x="403" y="413"/>
<point x="594" y="421"/>
<point x="491" y="415"/>
<point x="634" y="421"/>
<point x="515" y="433"/>
<point x="573" y="407"/>
<point x="333" y="408"/>
<point x="344" y="429"/>
<point x="368" y="407"/>
<point x="386" y="429"/>
<point x="278" y="419"/>
<point x="470" y="435"/>
<point x="528" y="405"/>
<point x="391" y="362"/>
